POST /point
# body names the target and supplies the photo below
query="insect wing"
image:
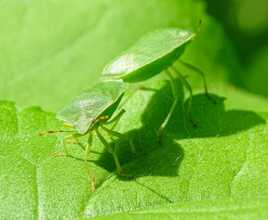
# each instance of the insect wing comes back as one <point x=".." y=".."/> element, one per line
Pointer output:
<point x="147" y="50"/>
<point x="85" y="108"/>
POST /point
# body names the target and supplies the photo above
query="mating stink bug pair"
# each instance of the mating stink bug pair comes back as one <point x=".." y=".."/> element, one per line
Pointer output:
<point x="153" y="54"/>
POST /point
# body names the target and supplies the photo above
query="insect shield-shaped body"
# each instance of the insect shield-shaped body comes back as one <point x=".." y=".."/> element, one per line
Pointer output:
<point x="92" y="111"/>
<point x="93" y="107"/>
<point x="152" y="54"/>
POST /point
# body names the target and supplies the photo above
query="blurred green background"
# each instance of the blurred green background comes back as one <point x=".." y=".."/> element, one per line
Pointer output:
<point x="246" y="24"/>
<point x="52" y="50"/>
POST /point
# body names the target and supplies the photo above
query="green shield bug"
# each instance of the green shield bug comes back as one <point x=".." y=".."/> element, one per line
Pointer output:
<point x="91" y="112"/>
<point x="154" y="53"/>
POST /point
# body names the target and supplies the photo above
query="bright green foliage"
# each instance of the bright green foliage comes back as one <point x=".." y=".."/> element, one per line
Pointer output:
<point x="203" y="210"/>
<point x="35" y="184"/>
<point x="85" y="109"/>
<point x="218" y="170"/>
<point x="152" y="54"/>
<point x="224" y="158"/>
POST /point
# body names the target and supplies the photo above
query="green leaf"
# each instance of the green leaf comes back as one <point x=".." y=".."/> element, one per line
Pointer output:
<point x="218" y="169"/>
<point x="204" y="210"/>
<point x="35" y="184"/>
<point x="224" y="159"/>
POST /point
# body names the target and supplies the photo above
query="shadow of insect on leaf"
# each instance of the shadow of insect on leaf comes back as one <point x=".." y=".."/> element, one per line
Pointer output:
<point x="145" y="142"/>
<point x="153" y="159"/>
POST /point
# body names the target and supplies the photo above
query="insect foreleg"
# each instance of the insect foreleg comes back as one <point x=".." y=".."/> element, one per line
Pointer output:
<point x="116" y="118"/>
<point x="198" y="71"/>
<point x="88" y="145"/>
<point x="119" y="135"/>
<point x="173" y="107"/>
<point x="64" y="142"/>
<point x="110" y="150"/>
<point x="87" y="151"/>
<point x="112" y="133"/>
<point x="189" y="88"/>
<point x="43" y="133"/>
<point x="201" y="73"/>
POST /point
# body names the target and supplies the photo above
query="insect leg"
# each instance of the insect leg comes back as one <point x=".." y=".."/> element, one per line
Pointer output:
<point x="112" y="133"/>
<point x="64" y="145"/>
<point x="51" y="132"/>
<point x="198" y="71"/>
<point x="88" y="145"/>
<point x="65" y="149"/>
<point x="201" y="73"/>
<point x="81" y="145"/>
<point x="87" y="151"/>
<point x="119" y="135"/>
<point x="110" y="150"/>
<point x="189" y="88"/>
<point x="43" y="133"/>
<point x="116" y="118"/>
<point x="174" y="104"/>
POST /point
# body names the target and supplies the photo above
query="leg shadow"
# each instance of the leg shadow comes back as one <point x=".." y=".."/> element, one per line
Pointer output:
<point x="153" y="159"/>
